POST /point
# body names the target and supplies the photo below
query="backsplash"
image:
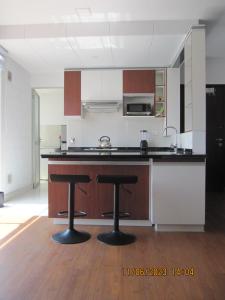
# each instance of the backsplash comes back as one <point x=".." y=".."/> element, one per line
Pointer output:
<point x="123" y="131"/>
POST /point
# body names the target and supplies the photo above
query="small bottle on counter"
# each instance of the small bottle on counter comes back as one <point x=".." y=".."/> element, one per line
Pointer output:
<point x="144" y="141"/>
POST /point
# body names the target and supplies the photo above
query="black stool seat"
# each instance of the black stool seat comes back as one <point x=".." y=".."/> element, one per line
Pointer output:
<point x="70" y="178"/>
<point x="116" y="237"/>
<point x="116" y="179"/>
<point x="70" y="235"/>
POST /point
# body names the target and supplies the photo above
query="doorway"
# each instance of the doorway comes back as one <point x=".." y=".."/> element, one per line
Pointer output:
<point x="52" y="125"/>
<point x="36" y="138"/>
<point x="215" y="138"/>
<point x="215" y="157"/>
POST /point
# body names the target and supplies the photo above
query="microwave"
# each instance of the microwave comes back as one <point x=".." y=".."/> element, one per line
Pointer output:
<point x="138" y="109"/>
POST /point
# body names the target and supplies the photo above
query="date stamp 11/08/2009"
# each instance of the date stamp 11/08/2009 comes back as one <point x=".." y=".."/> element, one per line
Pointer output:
<point x="159" y="271"/>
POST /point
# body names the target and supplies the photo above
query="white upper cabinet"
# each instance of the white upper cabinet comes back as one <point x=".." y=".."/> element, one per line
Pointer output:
<point x="194" y="70"/>
<point x="173" y="99"/>
<point x="101" y="85"/>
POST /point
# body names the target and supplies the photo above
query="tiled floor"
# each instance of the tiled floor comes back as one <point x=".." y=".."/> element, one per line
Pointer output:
<point x="18" y="210"/>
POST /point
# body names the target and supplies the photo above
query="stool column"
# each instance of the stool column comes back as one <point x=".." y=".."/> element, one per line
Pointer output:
<point x="116" y="207"/>
<point x="71" y="204"/>
<point x="71" y="235"/>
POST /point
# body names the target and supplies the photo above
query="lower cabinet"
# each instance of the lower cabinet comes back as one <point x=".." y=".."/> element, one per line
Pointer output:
<point x="94" y="198"/>
<point x="178" y="195"/>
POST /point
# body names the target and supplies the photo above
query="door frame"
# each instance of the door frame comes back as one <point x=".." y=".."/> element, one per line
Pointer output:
<point x="35" y="139"/>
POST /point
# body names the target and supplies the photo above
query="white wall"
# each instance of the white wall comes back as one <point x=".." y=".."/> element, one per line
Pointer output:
<point x="1" y="124"/>
<point x="124" y="131"/>
<point x="215" y="70"/>
<point x="47" y="80"/>
<point x="51" y="106"/>
<point x="16" y="129"/>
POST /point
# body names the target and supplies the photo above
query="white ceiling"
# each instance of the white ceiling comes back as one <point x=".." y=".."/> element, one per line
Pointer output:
<point x="50" y="35"/>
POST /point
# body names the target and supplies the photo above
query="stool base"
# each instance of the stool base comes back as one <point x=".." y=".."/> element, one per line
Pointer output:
<point x="116" y="238"/>
<point x="71" y="236"/>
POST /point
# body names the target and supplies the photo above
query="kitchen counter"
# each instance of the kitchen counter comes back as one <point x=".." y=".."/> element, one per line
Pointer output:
<point x="170" y="192"/>
<point x="124" y="153"/>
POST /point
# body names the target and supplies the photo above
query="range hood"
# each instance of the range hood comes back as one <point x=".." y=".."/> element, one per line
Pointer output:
<point x="102" y="106"/>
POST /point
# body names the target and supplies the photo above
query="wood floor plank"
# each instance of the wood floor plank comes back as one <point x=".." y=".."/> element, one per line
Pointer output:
<point x="33" y="267"/>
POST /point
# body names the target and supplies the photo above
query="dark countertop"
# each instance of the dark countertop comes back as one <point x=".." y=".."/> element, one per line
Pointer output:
<point x="124" y="154"/>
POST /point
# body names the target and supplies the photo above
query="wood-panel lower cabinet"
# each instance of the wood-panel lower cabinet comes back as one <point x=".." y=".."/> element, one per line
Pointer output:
<point x="96" y="198"/>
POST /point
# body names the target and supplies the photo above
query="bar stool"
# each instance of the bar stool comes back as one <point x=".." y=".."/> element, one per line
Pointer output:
<point x="70" y="235"/>
<point x="116" y="237"/>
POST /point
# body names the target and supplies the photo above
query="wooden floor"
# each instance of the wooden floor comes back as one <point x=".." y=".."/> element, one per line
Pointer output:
<point x="33" y="267"/>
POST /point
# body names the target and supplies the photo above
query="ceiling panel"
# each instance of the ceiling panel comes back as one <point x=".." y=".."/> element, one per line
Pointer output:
<point x="95" y="38"/>
<point x="50" y="11"/>
<point x="20" y="51"/>
<point x="145" y="51"/>
<point x="93" y="52"/>
<point x="57" y="53"/>
<point x="164" y="49"/>
<point x="42" y="54"/>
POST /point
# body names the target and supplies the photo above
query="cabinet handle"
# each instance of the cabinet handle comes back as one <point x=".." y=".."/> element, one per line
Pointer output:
<point x="125" y="189"/>
<point x="82" y="190"/>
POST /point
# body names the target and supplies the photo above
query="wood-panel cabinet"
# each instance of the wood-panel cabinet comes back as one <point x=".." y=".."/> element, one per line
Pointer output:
<point x="72" y="93"/>
<point x="139" y="81"/>
<point x="95" y="198"/>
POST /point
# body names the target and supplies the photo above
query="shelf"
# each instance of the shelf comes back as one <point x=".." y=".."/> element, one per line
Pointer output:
<point x="160" y="78"/>
<point x="138" y="117"/>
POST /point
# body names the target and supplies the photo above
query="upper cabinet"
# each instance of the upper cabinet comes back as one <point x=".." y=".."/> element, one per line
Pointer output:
<point x="101" y="85"/>
<point x="72" y="93"/>
<point x="138" y="81"/>
<point x="173" y="99"/>
<point x="194" y="80"/>
<point x="160" y="93"/>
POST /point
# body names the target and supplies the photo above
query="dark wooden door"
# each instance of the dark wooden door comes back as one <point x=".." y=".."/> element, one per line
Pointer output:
<point x="215" y="137"/>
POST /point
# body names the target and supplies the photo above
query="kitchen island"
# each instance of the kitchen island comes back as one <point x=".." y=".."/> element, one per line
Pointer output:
<point x="170" y="192"/>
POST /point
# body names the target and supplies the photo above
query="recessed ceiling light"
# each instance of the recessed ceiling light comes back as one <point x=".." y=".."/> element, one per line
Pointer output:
<point x="83" y="12"/>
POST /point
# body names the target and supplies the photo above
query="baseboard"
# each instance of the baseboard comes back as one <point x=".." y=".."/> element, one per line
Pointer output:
<point x="181" y="228"/>
<point x="101" y="222"/>
<point x="18" y="192"/>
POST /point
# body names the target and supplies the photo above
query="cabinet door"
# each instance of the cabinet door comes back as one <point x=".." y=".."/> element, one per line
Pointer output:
<point x="72" y="93"/>
<point x="139" y="81"/>
<point x="101" y="85"/>
<point x="95" y="198"/>
<point x="173" y="100"/>
<point x="90" y="85"/>
<point x="178" y="193"/>
<point x="111" y="85"/>
<point x="58" y="192"/>
<point x="134" y="198"/>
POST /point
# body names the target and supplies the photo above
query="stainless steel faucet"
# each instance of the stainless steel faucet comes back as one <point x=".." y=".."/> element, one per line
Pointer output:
<point x="173" y="146"/>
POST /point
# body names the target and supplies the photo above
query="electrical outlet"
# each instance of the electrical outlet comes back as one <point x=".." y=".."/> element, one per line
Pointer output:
<point x="9" y="178"/>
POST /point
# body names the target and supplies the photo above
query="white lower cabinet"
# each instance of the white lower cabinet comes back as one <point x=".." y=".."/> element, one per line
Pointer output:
<point x="178" y="196"/>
